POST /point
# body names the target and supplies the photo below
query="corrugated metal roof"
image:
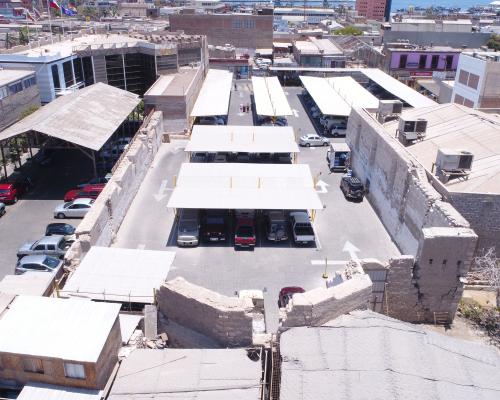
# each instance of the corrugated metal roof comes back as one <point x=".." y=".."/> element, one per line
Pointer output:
<point x="39" y="391"/>
<point x="353" y="93"/>
<point x="88" y="117"/>
<point x="365" y="355"/>
<point x="269" y="97"/>
<point x="57" y="328"/>
<point x="214" y="94"/>
<point x="326" y="98"/>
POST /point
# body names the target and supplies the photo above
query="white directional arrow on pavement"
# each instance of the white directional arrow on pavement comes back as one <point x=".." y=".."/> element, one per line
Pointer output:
<point x="161" y="192"/>
<point x="295" y="113"/>
<point x="322" y="187"/>
<point x="351" y="249"/>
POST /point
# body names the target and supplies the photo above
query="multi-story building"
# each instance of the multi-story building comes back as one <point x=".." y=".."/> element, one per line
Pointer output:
<point x="318" y="53"/>
<point x="477" y="82"/>
<point x="298" y="14"/>
<point x="373" y="9"/>
<point x="18" y="92"/>
<point x="240" y="30"/>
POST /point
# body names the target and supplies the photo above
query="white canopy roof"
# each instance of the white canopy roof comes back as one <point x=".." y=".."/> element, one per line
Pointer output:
<point x="397" y="88"/>
<point x="245" y="139"/>
<point x="214" y="94"/>
<point x="270" y="100"/>
<point x="115" y="274"/>
<point x="353" y="93"/>
<point x="245" y="186"/>
<point x="87" y="117"/>
<point x="326" y="98"/>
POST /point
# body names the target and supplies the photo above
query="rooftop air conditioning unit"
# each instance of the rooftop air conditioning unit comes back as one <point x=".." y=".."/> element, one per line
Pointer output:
<point x="454" y="160"/>
<point x="390" y="107"/>
<point x="412" y="129"/>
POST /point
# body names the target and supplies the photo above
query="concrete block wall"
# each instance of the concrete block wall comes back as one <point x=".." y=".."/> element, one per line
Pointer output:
<point x="101" y="223"/>
<point x="318" y="306"/>
<point x="227" y="320"/>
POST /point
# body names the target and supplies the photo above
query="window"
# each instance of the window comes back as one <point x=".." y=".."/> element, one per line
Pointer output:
<point x="68" y="74"/>
<point x="434" y="61"/>
<point x="51" y="247"/>
<point x="76" y="371"/>
<point x="402" y="60"/>
<point x="468" y="79"/>
<point x="458" y="99"/>
<point x="449" y="62"/>
<point x="463" y="77"/>
<point x="473" y="81"/>
<point x="35" y="267"/>
<point x="29" y="82"/>
<point x="16" y="87"/>
<point x="39" y="247"/>
<point x="422" y="61"/>
<point x="4" y="92"/>
<point x="55" y="77"/>
<point x="468" y="103"/>
<point x="33" y="365"/>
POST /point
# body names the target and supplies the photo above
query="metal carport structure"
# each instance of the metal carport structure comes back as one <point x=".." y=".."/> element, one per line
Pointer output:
<point x="270" y="99"/>
<point x="327" y="99"/>
<point x="85" y="118"/>
<point x="244" y="139"/>
<point x="245" y="186"/>
<point x="214" y="95"/>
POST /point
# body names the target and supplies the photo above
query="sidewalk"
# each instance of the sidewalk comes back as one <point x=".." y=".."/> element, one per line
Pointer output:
<point x="238" y="97"/>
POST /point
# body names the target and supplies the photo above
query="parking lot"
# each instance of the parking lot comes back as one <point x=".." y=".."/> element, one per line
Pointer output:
<point x="343" y="229"/>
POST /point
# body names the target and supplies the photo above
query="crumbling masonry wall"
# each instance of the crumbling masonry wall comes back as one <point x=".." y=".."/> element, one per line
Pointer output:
<point x="318" y="306"/>
<point x="227" y="320"/>
<point x="419" y="222"/>
<point x="102" y="222"/>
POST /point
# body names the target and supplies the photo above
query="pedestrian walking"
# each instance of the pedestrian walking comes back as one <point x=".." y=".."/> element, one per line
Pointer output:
<point x="235" y="87"/>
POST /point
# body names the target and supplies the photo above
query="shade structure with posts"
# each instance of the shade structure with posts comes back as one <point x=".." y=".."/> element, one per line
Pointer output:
<point x="214" y="94"/>
<point x="270" y="99"/>
<point x="245" y="186"/>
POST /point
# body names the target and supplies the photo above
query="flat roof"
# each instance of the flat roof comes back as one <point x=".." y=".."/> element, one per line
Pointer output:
<point x="214" y="94"/>
<point x="68" y="329"/>
<point x="270" y="99"/>
<point x="353" y="93"/>
<point x="116" y="274"/>
<point x="37" y="391"/>
<point x="456" y="127"/>
<point x="326" y="98"/>
<point x="8" y="76"/>
<point x="160" y="86"/>
<point x="87" y="117"/>
<point x="201" y="374"/>
<point x="34" y="283"/>
<point x="366" y="352"/>
<point x="245" y="186"/>
<point x="244" y="139"/>
<point x="397" y="88"/>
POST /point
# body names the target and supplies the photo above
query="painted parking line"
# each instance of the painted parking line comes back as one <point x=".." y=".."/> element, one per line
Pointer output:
<point x="329" y="262"/>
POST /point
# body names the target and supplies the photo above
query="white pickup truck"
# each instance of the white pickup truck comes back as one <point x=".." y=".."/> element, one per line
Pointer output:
<point x="303" y="232"/>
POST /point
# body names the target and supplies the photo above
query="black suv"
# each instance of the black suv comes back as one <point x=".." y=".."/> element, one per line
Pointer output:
<point x="352" y="188"/>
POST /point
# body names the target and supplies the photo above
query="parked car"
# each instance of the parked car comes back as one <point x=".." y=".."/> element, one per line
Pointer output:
<point x="199" y="157"/>
<point x="2" y="209"/>
<point x="95" y="181"/>
<point x="220" y="158"/>
<point x="303" y="232"/>
<point x="276" y="226"/>
<point x="39" y="263"/>
<point x="286" y="295"/>
<point x="214" y="226"/>
<point x="242" y="157"/>
<point x="61" y="228"/>
<point x="328" y="121"/>
<point x="122" y="143"/>
<point x="89" y="191"/>
<point x="11" y="192"/>
<point x="338" y="156"/>
<point x="352" y="188"/>
<point x="111" y="153"/>
<point x="54" y="246"/>
<point x="337" y="130"/>
<point x="188" y="228"/>
<point x="74" y="209"/>
<point x="211" y="121"/>
<point x="244" y="234"/>
<point x="313" y="140"/>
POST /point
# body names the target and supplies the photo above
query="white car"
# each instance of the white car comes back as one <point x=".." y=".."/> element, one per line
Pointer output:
<point x="74" y="209"/>
<point x="313" y="140"/>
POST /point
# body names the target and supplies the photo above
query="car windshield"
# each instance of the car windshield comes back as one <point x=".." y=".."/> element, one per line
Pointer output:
<point x="4" y="191"/>
<point x="215" y="221"/>
<point x="277" y="226"/>
<point x="62" y="244"/>
<point x="244" y="231"/>
<point x="51" y="262"/>
<point x="68" y="229"/>
<point x="66" y="205"/>
<point x="188" y="226"/>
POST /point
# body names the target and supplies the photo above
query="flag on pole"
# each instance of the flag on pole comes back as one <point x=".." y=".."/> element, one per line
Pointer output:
<point x="54" y="4"/>
<point x="72" y="7"/>
<point x="37" y="13"/>
<point x="29" y="16"/>
<point x="67" y="11"/>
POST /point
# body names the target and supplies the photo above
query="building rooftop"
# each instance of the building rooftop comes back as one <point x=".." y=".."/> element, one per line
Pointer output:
<point x="484" y="55"/>
<point x="36" y="391"/>
<point x="365" y="352"/>
<point x="8" y="76"/>
<point x="317" y="46"/>
<point x="456" y="127"/>
<point x="188" y="374"/>
<point x="176" y="84"/>
<point x="56" y="328"/>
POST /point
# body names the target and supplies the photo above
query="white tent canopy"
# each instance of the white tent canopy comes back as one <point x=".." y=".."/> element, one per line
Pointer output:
<point x="244" y="139"/>
<point x="115" y="274"/>
<point x="214" y="94"/>
<point x="327" y="99"/>
<point x="397" y="88"/>
<point x="270" y="99"/>
<point x="87" y="117"/>
<point x="353" y="93"/>
<point x="245" y="186"/>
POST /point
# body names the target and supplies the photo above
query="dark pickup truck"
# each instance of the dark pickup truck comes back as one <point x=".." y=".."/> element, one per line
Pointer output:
<point x="214" y="226"/>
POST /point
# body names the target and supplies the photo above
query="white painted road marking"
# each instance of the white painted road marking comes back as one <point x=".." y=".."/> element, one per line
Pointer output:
<point x="161" y="192"/>
<point x="351" y="249"/>
<point x="322" y="187"/>
<point x="295" y="113"/>
<point x="329" y="262"/>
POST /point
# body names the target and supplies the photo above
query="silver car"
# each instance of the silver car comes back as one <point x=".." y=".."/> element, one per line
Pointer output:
<point x="38" y="263"/>
<point x="313" y="140"/>
<point x="54" y="246"/>
<point x="188" y="230"/>
<point x="77" y="208"/>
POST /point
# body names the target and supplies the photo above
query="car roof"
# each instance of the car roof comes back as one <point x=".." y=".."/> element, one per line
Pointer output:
<point x="83" y="200"/>
<point x="54" y="239"/>
<point x="39" y="258"/>
<point x="352" y="179"/>
<point x="58" y="224"/>
<point x="292" y="289"/>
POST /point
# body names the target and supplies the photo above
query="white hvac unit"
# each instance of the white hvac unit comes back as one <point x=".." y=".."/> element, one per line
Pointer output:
<point x="390" y="107"/>
<point x="412" y="129"/>
<point x="448" y="160"/>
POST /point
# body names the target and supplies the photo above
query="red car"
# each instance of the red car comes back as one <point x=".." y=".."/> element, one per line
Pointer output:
<point x="10" y="192"/>
<point x="244" y="235"/>
<point x="89" y="191"/>
<point x="286" y="295"/>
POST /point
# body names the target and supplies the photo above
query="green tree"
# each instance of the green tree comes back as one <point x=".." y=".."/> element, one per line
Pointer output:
<point x="348" y="31"/>
<point x="28" y="111"/>
<point x="494" y="42"/>
<point x="87" y="11"/>
<point x="23" y="35"/>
